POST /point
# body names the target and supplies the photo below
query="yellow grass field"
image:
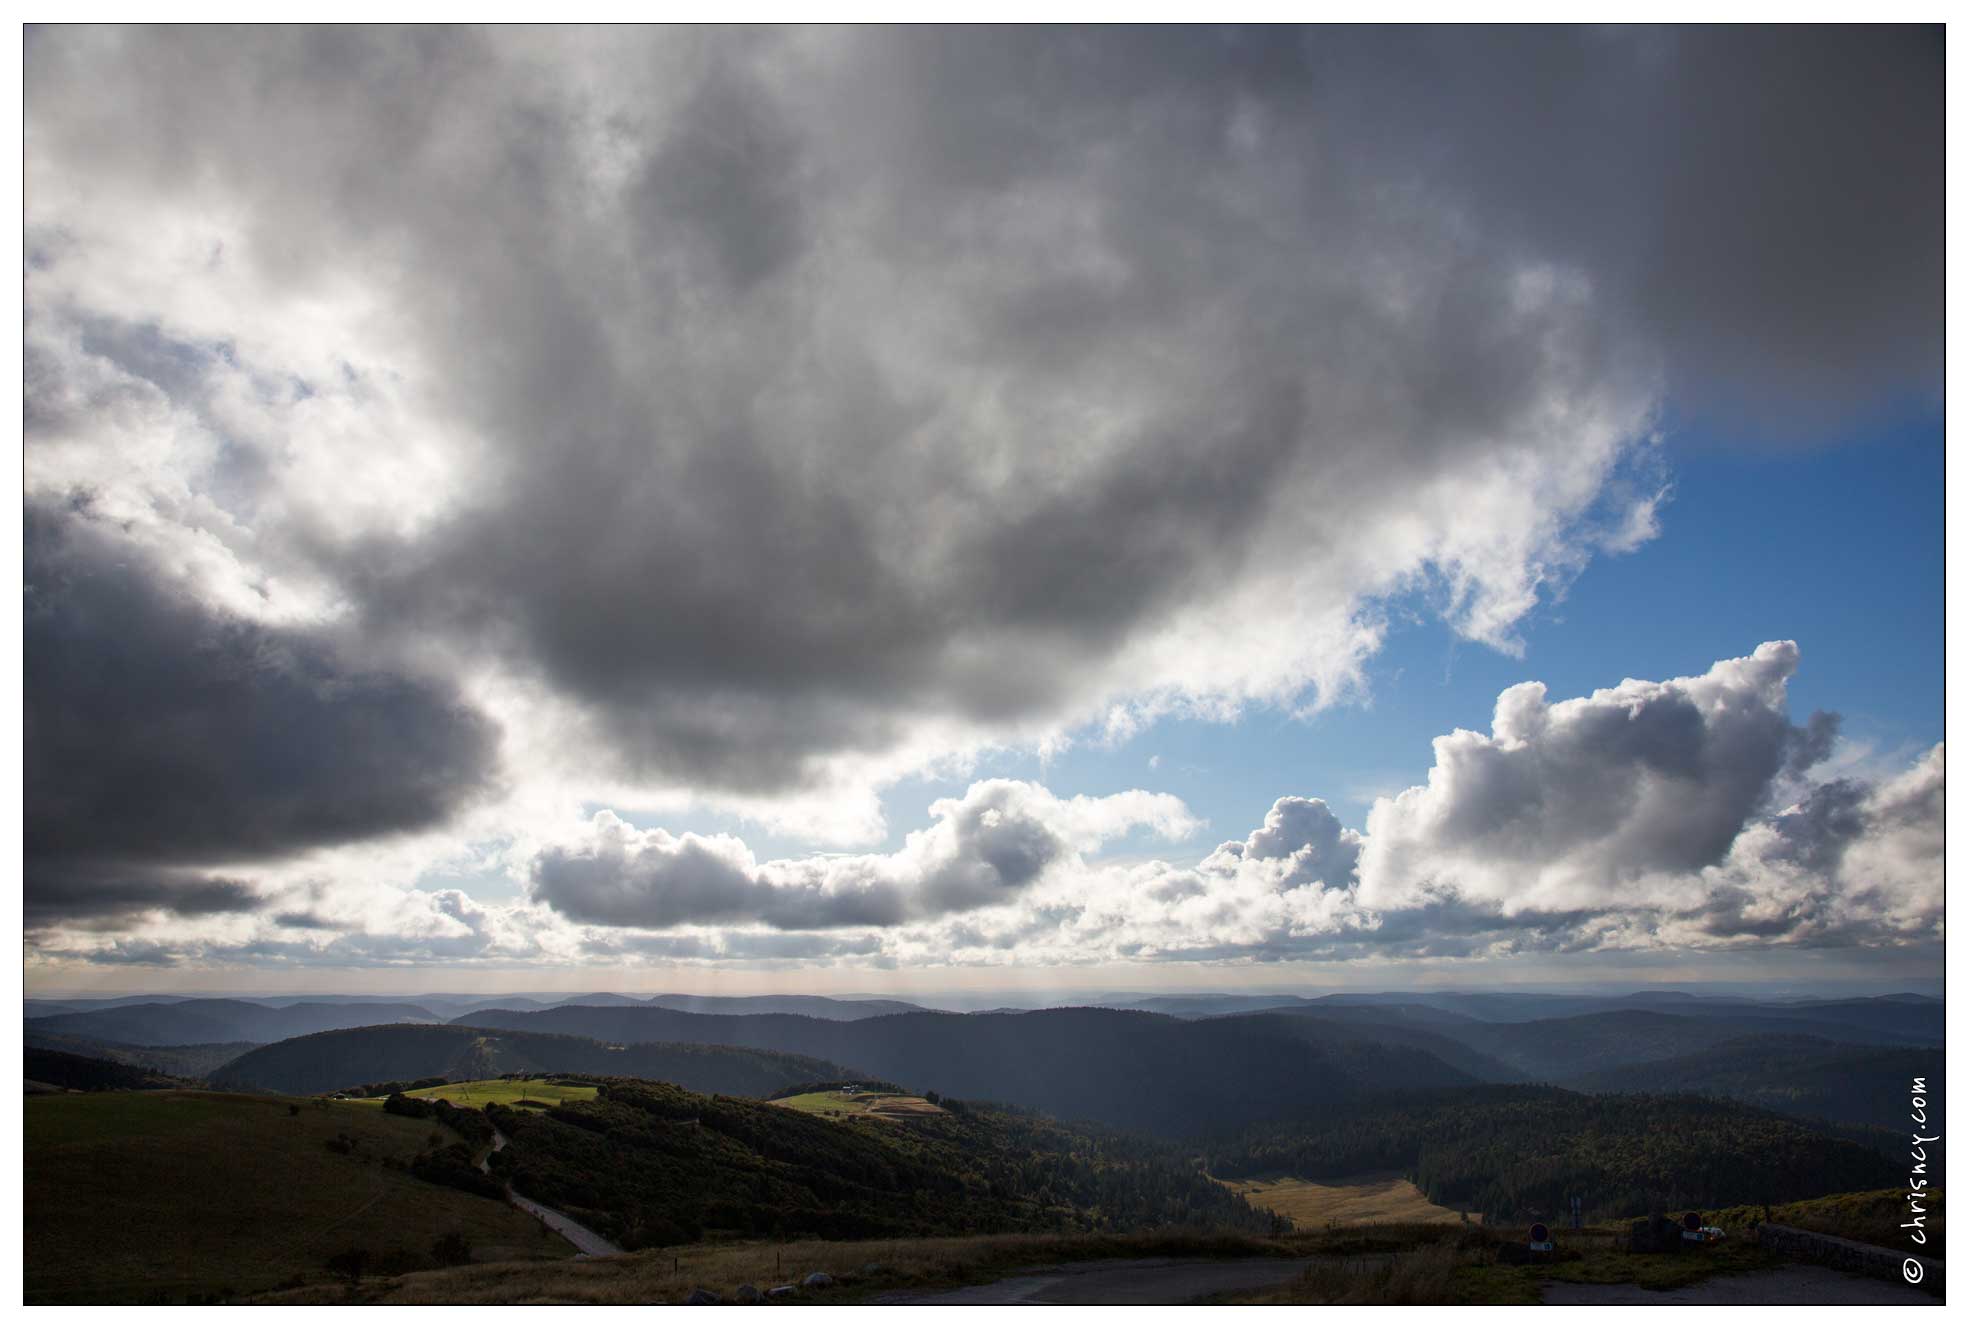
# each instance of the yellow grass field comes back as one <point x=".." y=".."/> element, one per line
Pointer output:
<point x="833" y="1103"/>
<point x="1382" y="1197"/>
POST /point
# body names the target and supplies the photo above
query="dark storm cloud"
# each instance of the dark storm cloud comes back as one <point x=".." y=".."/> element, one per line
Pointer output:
<point x="161" y="734"/>
<point x="838" y="385"/>
<point x="107" y="895"/>
<point x="1765" y="204"/>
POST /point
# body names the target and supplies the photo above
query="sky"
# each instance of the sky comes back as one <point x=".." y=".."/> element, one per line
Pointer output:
<point x="877" y="510"/>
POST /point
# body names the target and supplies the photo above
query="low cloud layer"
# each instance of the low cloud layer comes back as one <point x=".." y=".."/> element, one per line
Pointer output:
<point x="1706" y="831"/>
<point x="1681" y="813"/>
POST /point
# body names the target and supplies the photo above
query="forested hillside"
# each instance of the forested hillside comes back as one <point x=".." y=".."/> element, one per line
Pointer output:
<point x="1564" y="1049"/>
<point x="1803" y="1077"/>
<point x="65" y="1070"/>
<point x="650" y="1164"/>
<point x="190" y="1062"/>
<point x="1510" y="1151"/>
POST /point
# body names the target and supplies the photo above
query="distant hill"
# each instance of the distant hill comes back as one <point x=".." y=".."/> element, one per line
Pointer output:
<point x="193" y="1061"/>
<point x="1520" y="1151"/>
<point x="1904" y="1018"/>
<point x="1130" y="1069"/>
<point x="822" y="1008"/>
<point x="650" y="1164"/>
<point x="66" y="1070"/>
<point x="1415" y="1028"/>
<point x="338" y="1059"/>
<point x="1802" y="1076"/>
<point x="1201" y="1005"/>
<point x="1565" y="1049"/>
<point x="100" y="1003"/>
<point x="221" y="1021"/>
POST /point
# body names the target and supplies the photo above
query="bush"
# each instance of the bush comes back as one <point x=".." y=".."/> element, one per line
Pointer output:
<point x="453" y="1166"/>
<point x="452" y="1249"/>
<point x="349" y="1264"/>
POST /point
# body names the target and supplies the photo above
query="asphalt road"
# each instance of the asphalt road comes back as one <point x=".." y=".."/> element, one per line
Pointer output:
<point x="1113" y="1283"/>
<point x="585" y="1240"/>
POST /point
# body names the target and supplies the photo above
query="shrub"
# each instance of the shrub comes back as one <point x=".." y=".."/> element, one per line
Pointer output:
<point x="452" y="1249"/>
<point x="349" y="1264"/>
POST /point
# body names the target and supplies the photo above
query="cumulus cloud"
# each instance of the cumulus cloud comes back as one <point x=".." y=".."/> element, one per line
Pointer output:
<point x="983" y="849"/>
<point x="1847" y="862"/>
<point x="1567" y="804"/>
<point x="1648" y="815"/>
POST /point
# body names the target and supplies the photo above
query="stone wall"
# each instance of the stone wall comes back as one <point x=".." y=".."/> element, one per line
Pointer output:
<point x="1853" y="1256"/>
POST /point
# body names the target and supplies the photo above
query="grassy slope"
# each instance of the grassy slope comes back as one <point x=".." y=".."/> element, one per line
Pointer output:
<point x="181" y="1195"/>
<point x="669" y="1275"/>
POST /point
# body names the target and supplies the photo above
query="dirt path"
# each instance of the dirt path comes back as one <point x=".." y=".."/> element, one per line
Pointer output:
<point x="1793" y="1285"/>
<point x="1113" y="1283"/>
<point x="585" y="1240"/>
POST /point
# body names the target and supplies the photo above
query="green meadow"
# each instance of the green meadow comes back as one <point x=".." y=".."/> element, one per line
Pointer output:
<point x="836" y="1103"/>
<point x="534" y="1095"/>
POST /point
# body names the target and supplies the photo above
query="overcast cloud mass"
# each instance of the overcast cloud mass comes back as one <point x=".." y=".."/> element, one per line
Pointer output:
<point x="470" y="450"/>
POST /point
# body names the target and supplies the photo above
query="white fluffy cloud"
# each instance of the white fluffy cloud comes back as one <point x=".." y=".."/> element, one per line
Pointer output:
<point x="986" y="848"/>
<point x="1567" y="805"/>
<point x="1682" y="813"/>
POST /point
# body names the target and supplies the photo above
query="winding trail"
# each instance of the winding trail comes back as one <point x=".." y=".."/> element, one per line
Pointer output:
<point x="586" y="1240"/>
